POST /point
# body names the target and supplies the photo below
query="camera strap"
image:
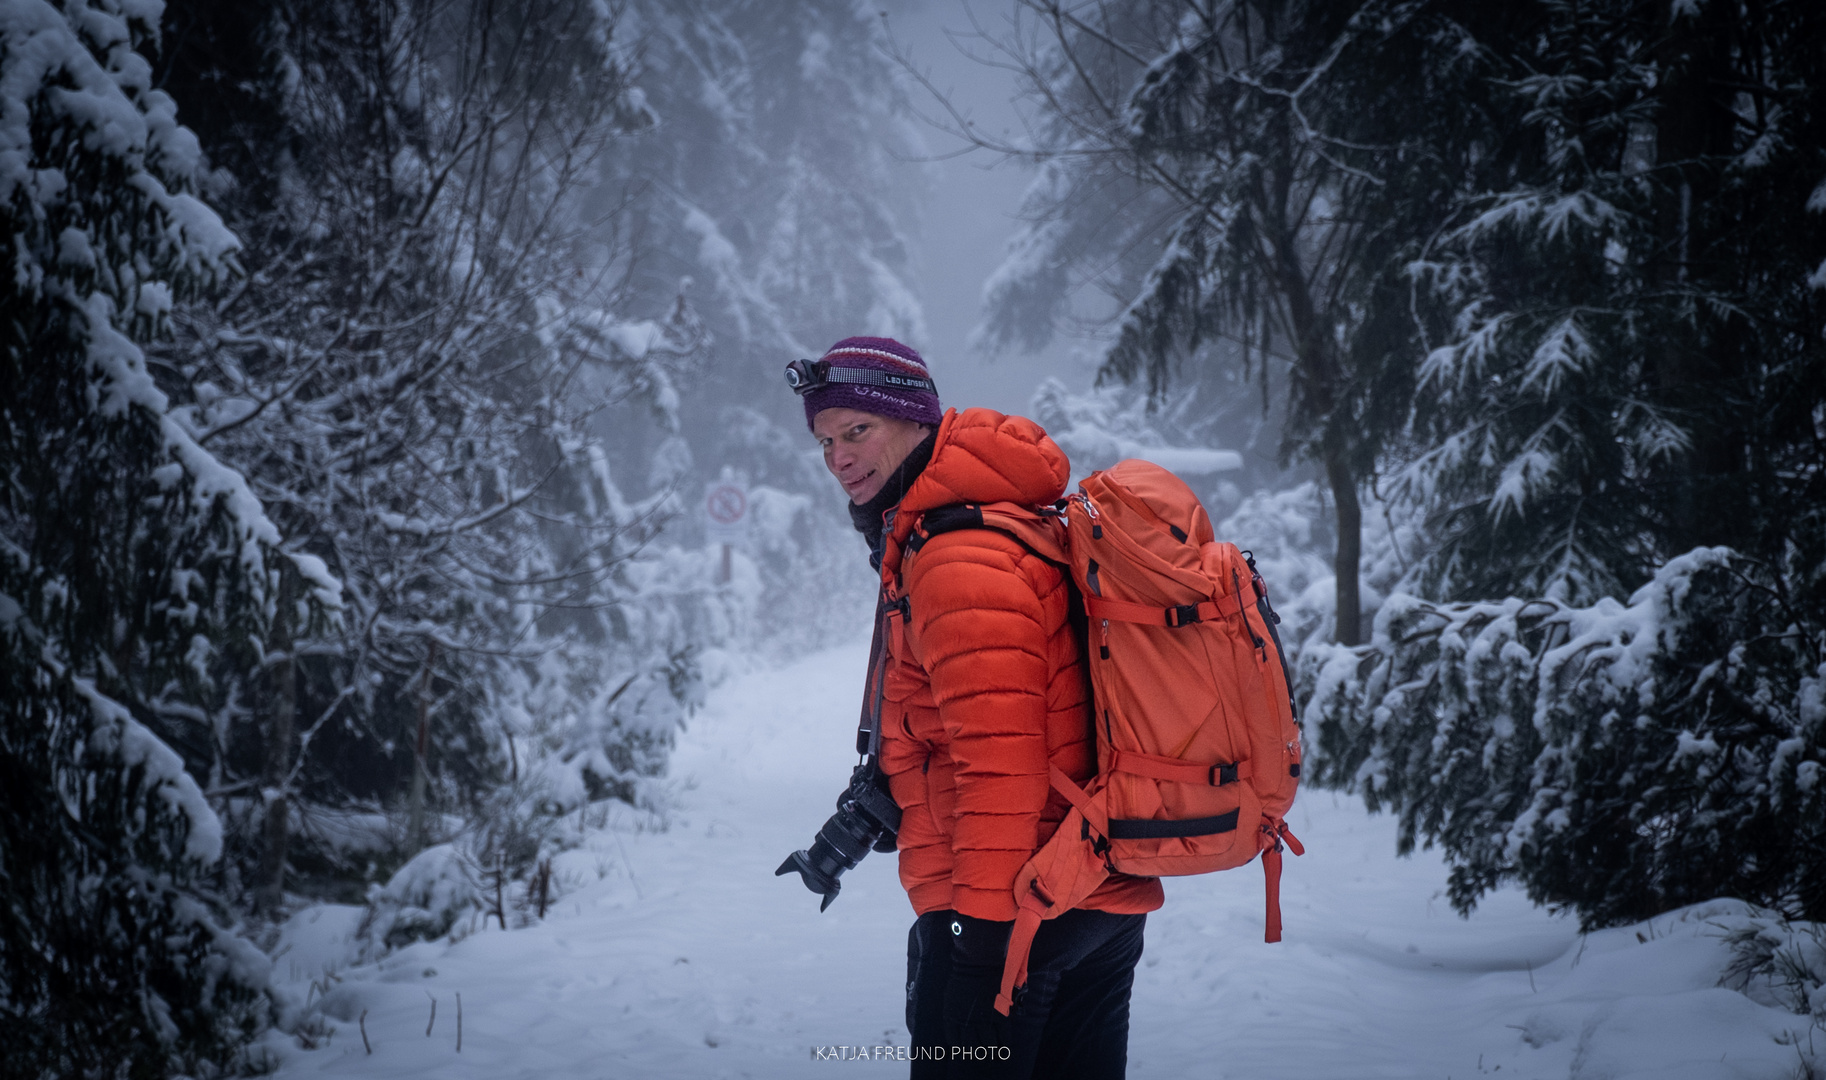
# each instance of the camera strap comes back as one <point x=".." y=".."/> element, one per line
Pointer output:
<point x="868" y="728"/>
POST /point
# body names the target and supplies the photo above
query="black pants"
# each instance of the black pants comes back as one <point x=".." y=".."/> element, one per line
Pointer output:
<point x="1071" y="1023"/>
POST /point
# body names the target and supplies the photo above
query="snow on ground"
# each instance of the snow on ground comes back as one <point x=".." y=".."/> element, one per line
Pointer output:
<point x="678" y="954"/>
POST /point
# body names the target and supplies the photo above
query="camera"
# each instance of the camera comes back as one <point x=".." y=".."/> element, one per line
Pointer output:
<point x="866" y="817"/>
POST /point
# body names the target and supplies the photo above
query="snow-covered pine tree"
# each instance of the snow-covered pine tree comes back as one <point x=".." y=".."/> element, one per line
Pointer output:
<point x="1282" y="145"/>
<point x="1619" y="760"/>
<point x="1621" y="313"/>
<point x="416" y="373"/>
<point x="135" y="568"/>
<point x="1624" y="319"/>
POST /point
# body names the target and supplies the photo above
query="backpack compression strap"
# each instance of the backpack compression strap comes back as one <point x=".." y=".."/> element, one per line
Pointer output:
<point x="1148" y="615"/>
<point x="1177" y="770"/>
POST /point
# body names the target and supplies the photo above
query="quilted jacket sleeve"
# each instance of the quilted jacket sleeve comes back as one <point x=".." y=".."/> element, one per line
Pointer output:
<point x="981" y="622"/>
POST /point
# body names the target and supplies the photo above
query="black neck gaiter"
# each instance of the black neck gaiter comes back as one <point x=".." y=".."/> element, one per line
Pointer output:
<point x="867" y="516"/>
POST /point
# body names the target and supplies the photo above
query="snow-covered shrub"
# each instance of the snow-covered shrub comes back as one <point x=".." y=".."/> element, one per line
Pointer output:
<point x="1617" y="759"/>
<point x="606" y="734"/>
<point x="491" y="868"/>
<point x="811" y="583"/>
<point x="1778" y="962"/>
<point x="423" y="901"/>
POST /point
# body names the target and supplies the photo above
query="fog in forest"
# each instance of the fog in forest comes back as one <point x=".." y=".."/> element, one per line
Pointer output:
<point x="414" y="559"/>
<point x="974" y="205"/>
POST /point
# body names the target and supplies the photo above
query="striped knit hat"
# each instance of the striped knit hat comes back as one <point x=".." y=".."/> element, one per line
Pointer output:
<point x="876" y="354"/>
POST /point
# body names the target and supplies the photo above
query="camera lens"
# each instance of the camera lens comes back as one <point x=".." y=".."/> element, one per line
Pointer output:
<point x="866" y="819"/>
<point x="839" y="846"/>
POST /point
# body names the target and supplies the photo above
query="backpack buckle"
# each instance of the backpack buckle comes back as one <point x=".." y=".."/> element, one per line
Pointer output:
<point x="1222" y="774"/>
<point x="1183" y="615"/>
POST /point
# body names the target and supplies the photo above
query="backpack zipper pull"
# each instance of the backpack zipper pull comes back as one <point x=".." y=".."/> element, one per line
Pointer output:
<point x="1090" y="511"/>
<point x="1261" y="647"/>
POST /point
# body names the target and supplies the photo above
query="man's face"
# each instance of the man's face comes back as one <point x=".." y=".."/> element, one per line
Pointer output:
<point x="862" y="449"/>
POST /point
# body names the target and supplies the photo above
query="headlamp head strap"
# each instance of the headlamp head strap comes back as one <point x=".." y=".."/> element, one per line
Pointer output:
<point x="804" y="376"/>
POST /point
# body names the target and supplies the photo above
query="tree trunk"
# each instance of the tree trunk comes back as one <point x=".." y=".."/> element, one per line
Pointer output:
<point x="1347" y="565"/>
<point x="420" y="745"/>
<point x="1319" y="380"/>
<point x="1702" y="489"/>
<point x="280" y="721"/>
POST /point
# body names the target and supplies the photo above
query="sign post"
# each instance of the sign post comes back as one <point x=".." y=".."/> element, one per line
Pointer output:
<point x="725" y="518"/>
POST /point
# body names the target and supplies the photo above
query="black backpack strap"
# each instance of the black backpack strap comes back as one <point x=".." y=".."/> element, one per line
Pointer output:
<point x="944" y="519"/>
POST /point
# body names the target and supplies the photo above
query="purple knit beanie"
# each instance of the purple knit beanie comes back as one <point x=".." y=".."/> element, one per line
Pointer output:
<point x="876" y="354"/>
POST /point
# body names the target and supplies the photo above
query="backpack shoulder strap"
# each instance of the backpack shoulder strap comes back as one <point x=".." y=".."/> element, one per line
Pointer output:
<point x="1038" y="530"/>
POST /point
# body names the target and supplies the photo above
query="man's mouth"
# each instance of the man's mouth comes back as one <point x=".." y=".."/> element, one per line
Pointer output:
<point x="851" y="485"/>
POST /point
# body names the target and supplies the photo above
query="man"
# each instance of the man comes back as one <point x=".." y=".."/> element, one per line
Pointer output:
<point x="985" y="690"/>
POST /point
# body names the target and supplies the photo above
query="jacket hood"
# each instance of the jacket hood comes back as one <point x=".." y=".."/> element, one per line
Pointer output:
<point x="982" y="456"/>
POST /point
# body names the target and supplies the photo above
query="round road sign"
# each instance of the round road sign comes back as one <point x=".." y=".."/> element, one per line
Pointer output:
<point x="726" y="504"/>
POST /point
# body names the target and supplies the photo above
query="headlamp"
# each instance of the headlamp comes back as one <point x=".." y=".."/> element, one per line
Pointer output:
<point x="804" y="376"/>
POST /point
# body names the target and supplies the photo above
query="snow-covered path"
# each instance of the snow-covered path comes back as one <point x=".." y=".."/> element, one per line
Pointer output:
<point x="678" y="954"/>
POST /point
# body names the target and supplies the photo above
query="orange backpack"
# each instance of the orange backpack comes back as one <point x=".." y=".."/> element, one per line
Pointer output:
<point x="1198" y="754"/>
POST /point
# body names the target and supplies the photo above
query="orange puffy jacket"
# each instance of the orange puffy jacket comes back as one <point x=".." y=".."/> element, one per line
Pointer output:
<point x="986" y="687"/>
